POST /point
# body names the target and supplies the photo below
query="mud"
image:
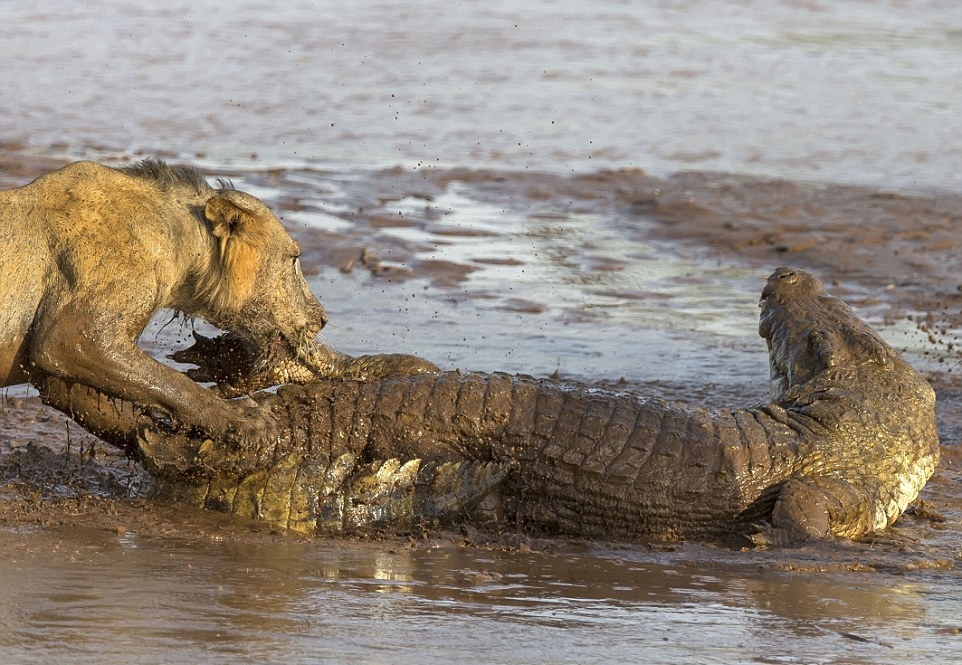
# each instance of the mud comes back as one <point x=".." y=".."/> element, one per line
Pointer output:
<point x="885" y="252"/>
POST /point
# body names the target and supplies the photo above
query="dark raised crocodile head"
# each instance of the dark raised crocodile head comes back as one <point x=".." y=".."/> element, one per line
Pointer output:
<point x="809" y="332"/>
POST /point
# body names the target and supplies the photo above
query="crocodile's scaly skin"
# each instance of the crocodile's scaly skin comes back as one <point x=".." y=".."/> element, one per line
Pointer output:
<point x="845" y="445"/>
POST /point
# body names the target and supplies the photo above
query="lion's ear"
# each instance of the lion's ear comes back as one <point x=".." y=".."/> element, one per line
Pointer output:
<point x="241" y="236"/>
<point x="227" y="218"/>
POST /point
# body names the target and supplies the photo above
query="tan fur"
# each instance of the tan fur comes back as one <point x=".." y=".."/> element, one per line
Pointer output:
<point x="88" y="254"/>
<point x="241" y="240"/>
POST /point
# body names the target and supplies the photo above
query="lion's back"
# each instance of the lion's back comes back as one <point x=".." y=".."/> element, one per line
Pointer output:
<point x="88" y="226"/>
<point x="84" y="212"/>
<point x="30" y="221"/>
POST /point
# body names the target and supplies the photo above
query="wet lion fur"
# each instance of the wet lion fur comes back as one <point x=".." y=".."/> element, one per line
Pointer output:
<point x="88" y="255"/>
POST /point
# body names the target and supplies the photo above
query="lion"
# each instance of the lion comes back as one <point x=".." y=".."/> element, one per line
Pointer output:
<point x="89" y="254"/>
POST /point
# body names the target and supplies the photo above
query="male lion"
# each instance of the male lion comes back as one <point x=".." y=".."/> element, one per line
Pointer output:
<point x="88" y="255"/>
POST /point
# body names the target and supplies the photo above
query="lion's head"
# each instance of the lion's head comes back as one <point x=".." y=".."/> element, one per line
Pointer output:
<point x="253" y="285"/>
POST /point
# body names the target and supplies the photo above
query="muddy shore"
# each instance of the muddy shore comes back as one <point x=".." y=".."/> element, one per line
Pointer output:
<point x="892" y="251"/>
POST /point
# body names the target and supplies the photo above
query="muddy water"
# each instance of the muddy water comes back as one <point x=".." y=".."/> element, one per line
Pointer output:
<point x="501" y="242"/>
<point x="854" y="91"/>
<point x="98" y="597"/>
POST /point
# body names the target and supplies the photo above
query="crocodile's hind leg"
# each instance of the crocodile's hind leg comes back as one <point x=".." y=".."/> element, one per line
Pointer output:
<point x="819" y="508"/>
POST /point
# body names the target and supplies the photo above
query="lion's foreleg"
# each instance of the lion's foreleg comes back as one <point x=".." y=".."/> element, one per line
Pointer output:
<point x="120" y="369"/>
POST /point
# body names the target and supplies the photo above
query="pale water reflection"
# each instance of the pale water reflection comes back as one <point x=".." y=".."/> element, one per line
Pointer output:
<point x="89" y="596"/>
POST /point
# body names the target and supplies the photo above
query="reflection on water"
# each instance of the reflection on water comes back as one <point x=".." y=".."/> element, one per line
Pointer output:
<point x="496" y="278"/>
<point x="491" y="282"/>
<point x="97" y="597"/>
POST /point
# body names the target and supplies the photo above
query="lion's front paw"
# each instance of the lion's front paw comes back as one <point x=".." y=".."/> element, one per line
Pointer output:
<point x="245" y="440"/>
<point x="254" y="429"/>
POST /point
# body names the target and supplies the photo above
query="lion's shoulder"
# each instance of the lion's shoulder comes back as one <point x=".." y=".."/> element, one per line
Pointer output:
<point x="70" y="175"/>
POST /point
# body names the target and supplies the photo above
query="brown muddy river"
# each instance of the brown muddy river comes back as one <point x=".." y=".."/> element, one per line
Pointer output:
<point x="465" y="183"/>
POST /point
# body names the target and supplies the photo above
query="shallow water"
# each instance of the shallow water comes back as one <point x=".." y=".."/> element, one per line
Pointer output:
<point x="309" y="105"/>
<point x="500" y="285"/>
<point x="89" y="596"/>
<point x="839" y="92"/>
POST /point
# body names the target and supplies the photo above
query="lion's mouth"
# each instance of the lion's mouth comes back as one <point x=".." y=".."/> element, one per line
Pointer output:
<point x="305" y="352"/>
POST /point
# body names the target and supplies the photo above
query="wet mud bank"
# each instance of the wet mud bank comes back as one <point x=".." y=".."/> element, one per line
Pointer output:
<point x="890" y="253"/>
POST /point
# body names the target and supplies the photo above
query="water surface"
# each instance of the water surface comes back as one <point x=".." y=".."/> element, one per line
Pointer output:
<point x="843" y="92"/>
<point x="311" y="105"/>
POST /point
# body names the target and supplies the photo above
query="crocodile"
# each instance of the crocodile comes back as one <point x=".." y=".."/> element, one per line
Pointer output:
<point x="237" y="368"/>
<point x="844" y="446"/>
